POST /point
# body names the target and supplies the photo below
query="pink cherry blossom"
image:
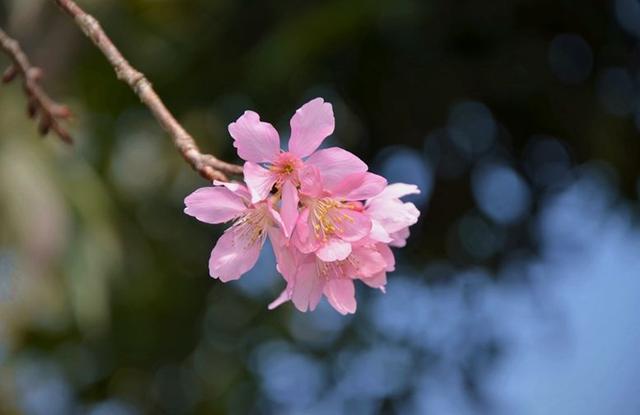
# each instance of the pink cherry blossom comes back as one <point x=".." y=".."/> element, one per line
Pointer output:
<point x="237" y="250"/>
<point x="333" y="219"/>
<point x="267" y="167"/>
<point x="330" y="221"/>
<point x="314" y="278"/>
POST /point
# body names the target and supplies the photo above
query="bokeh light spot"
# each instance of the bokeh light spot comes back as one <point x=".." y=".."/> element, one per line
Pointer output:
<point x="547" y="162"/>
<point x="616" y="91"/>
<point x="404" y="165"/>
<point x="628" y="15"/>
<point x="500" y="193"/>
<point x="570" y="58"/>
<point x="472" y="127"/>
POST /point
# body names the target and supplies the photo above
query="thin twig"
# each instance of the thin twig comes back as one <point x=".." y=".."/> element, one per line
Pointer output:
<point x="40" y="105"/>
<point x="207" y="165"/>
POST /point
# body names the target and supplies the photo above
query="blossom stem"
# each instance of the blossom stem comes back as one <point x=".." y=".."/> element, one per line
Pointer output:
<point x="207" y="165"/>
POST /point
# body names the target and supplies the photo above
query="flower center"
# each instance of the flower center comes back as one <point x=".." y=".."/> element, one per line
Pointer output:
<point x="251" y="227"/>
<point x="328" y="217"/>
<point x="336" y="269"/>
<point x="286" y="167"/>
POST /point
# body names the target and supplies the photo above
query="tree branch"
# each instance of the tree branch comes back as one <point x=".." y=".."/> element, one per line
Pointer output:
<point x="40" y="105"/>
<point x="207" y="165"/>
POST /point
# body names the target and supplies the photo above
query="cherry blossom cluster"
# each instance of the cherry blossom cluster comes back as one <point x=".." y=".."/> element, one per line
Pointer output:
<point x="330" y="221"/>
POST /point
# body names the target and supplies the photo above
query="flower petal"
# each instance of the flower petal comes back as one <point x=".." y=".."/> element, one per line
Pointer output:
<point x="335" y="164"/>
<point x="310" y="181"/>
<point x="303" y="235"/>
<point x="275" y="215"/>
<point x="237" y="188"/>
<point x="310" y="125"/>
<point x="400" y="238"/>
<point x="369" y="262"/>
<point x="286" y="258"/>
<point x="393" y="214"/>
<point x="387" y="254"/>
<point x="289" y="207"/>
<point x="378" y="233"/>
<point x="255" y="140"/>
<point x="334" y="250"/>
<point x="231" y="257"/>
<point x="354" y="225"/>
<point x="378" y="280"/>
<point x="284" y="296"/>
<point x="259" y="180"/>
<point x="341" y="294"/>
<point x="398" y="190"/>
<point x="358" y="186"/>
<point x="214" y="205"/>
<point x="308" y="287"/>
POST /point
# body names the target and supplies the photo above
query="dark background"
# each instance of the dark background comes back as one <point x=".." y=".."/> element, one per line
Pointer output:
<point x="517" y="293"/>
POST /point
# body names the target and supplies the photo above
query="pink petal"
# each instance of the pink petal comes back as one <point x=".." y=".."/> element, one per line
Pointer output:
<point x="310" y="125"/>
<point x="393" y="214"/>
<point x="255" y="140"/>
<point x="289" y="207"/>
<point x="303" y="235"/>
<point x="341" y="294"/>
<point x="232" y="256"/>
<point x="334" y="250"/>
<point x="286" y="265"/>
<point x="277" y="238"/>
<point x="398" y="190"/>
<point x="310" y="181"/>
<point x="286" y="258"/>
<point x="308" y="287"/>
<point x="335" y="164"/>
<point x="214" y="205"/>
<point x="358" y="186"/>
<point x="378" y="233"/>
<point x="259" y="180"/>
<point x="379" y="280"/>
<point x="284" y="296"/>
<point x="275" y="215"/>
<point x="387" y="254"/>
<point x="237" y="188"/>
<point x="400" y="238"/>
<point x="369" y="262"/>
<point x="354" y="225"/>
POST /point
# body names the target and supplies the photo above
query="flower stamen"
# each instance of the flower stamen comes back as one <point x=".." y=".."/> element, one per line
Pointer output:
<point x="251" y="227"/>
<point x="328" y="218"/>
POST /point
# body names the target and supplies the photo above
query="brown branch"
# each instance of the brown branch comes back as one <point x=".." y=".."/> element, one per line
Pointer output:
<point x="207" y="165"/>
<point x="40" y="105"/>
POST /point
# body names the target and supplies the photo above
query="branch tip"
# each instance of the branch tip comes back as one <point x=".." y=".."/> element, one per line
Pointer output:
<point x="39" y="104"/>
